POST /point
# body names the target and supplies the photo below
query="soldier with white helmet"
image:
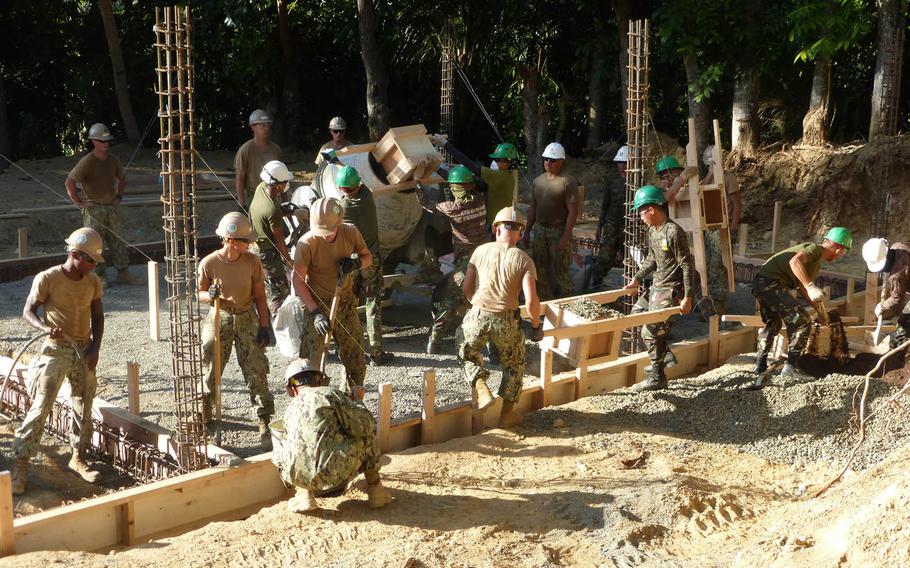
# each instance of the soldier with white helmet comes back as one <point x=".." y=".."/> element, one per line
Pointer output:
<point x="612" y="218"/>
<point x="235" y="275"/>
<point x="74" y="322"/>
<point x="253" y="155"/>
<point x="103" y="183"/>
<point x="895" y="261"/>
<point x="267" y="214"/>
<point x="337" y="128"/>
<point x="554" y="209"/>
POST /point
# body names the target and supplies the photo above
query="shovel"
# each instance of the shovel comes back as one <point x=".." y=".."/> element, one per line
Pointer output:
<point x="875" y="342"/>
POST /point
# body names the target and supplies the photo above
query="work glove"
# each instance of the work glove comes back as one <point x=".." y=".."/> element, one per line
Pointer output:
<point x="262" y="336"/>
<point x="320" y="322"/>
<point x="214" y="291"/>
<point x="348" y="265"/>
<point x="288" y="208"/>
<point x="815" y="293"/>
<point x="878" y="310"/>
<point x="533" y="333"/>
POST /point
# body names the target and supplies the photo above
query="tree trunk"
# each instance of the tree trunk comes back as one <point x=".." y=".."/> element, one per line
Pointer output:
<point x="623" y="16"/>
<point x="595" y="99"/>
<point x="815" y="123"/>
<point x="698" y="110"/>
<point x="378" y="114"/>
<point x="5" y="147"/>
<point x="886" y="90"/>
<point x="745" y="131"/>
<point x="121" y="87"/>
<point x="561" y="117"/>
<point x="529" y="94"/>
<point x="287" y="126"/>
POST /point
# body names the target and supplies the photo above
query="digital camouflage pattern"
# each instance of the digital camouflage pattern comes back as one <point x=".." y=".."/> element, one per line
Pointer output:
<point x="503" y="330"/>
<point x="348" y="334"/>
<point x="449" y="304"/>
<point x="58" y="361"/>
<point x="610" y="244"/>
<point x="368" y="284"/>
<point x="778" y="308"/>
<point x="546" y="258"/>
<point x="717" y="271"/>
<point x="106" y="220"/>
<point x="655" y="335"/>
<point x="328" y="439"/>
<point x="238" y="331"/>
<point x="277" y="286"/>
<point x="669" y="260"/>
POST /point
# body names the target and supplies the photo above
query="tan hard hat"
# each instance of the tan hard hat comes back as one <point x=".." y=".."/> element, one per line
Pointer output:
<point x="235" y="226"/>
<point x="338" y="123"/>
<point x="325" y="214"/>
<point x="299" y="366"/>
<point x="259" y="116"/>
<point x="509" y="215"/>
<point x="88" y="241"/>
<point x="99" y="131"/>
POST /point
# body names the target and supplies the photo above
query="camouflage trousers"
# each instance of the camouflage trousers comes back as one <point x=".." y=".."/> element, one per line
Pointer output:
<point x="348" y="334"/>
<point x="368" y="284"/>
<point x="778" y="308"/>
<point x="717" y="271"/>
<point x="902" y="333"/>
<point x="503" y="330"/>
<point x="238" y="331"/>
<point x="655" y="335"/>
<point x="610" y="244"/>
<point x="547" y="258"/>
<point x="58" y="361"/>
<point x="449" y="304"/>
<point x="277" y="286"/>
<point x="106" y="220"/>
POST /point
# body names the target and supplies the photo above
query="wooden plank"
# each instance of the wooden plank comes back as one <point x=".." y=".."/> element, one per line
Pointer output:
<point x="383" y="425"/>
<point x="7" y="536"/>
<point x="22" y="234"/>
<point x="748" y="321"/>
<point x="132" y="386"/>
<point x="743" y="238"/>
<point x="695" y="207"/>
<point x="581" y="373"/>
<point x="546" y="374"/>
<point x="429" y="406"/>
<point x="871" y="298"/>
<point x="154" y="302"/>
<point x="713" y="341"/>
<point x="128" y="524"/>
<point x="775" y="225"/>
<point x="622" y="322"/>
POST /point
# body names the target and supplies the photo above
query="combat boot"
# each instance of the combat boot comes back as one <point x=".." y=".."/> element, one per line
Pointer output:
<point x="652" y="382"/>
<point x="669" y="361"/>
<point x="761" y="363"/>
<point x="484" y="397"/>
<point x="510" y="416"/>
<point x="265" y="435"/>
<point x="20" y="476"/>
<point x="377" y="495"/>
<point x="790" y="371"/>
<point x="78" y="465"/>
<point x="303" y="501"/>
<point x="381" y="358"/>
<point x="433" y="344"/>
<point x="124" y="277"/>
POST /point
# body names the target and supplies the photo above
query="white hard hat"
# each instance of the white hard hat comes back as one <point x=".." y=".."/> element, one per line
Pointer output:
<point x="275" y="172"/>
<point x="338" y="123"/>
<point x="555" y="151"/>
<point x="259" y="116"/>
<point x="708" y="156"/>
<point x="622" y="155"/>
<point x="99" y="131"/>
<point x="875" y="253"/>
<point x="235" y="226"/>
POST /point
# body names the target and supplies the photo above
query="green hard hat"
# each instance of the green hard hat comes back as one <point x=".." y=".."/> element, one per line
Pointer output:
<point x="347" y="177"/>
<point x="841" y="236"/>
<point x="668" y="163"/>
<point x="649" y="195"/>
<point x="460" y="174"/>
<point x="505" y="151"/>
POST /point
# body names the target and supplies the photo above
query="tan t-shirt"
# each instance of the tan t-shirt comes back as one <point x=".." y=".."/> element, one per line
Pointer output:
<point x="500" y="270"/>
<point x="250" y="159"/>
<point x="552" y="197"/>
<point x="237" y="278"/>
<point x="67" y="303"/>
<point x="99" y="178"/>
<point x="320" y="258"/>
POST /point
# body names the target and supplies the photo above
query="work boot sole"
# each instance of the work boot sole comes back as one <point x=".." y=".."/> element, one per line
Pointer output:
<point x="646" y="387"/>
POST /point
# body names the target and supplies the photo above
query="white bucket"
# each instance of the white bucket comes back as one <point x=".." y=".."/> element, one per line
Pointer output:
<point x="277" y="429"/>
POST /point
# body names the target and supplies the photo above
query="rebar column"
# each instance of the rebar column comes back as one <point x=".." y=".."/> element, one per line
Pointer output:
<point x="634" y="236"/>
<point x="447" y="86"/>
<point x="178" y="196"/>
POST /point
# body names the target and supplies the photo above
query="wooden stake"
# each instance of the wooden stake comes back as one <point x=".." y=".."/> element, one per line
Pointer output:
<point x="23" y="242"/>
<point x="743" y="238"/>
<point x="713" y="342"/>
<point x="384" y="424"/>
<point x="216" y="360"/>
<point x="848" y="304"/>
<point x="132" y="386"/>
<point x="128" y="523"/>
<point x="7" y="536"/>
<point x="546" y="375"/>
<point x="154" y="306"/>
<point x="429" y="406"/>
<point x="871" y="298"/>
<point x="695" y="205"/>
<point x="775" y="226"/>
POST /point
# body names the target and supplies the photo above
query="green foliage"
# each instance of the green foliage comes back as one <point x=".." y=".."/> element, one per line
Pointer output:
<point x="826" y="27"/>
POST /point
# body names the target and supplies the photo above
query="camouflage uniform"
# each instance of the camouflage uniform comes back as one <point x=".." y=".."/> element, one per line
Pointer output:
<point x="899" y="285"/>
<point x="277" y="286"/>
<point x="612" y="217"/>
<point x="673" y="269"/>
<point x="106" y="220"/>
<point x="505" y="333"/>
<point x="347" y="332"/>
<point x="449" y="303"/>
<point x="368" y="283"/>
<point x="329" y="438"/>
<point x="238" y="330"/>
<point x="717" y="271"/>
<point x="58" y="361"/>
<point x="546" y="258"/>
<point x="779" y="308"/>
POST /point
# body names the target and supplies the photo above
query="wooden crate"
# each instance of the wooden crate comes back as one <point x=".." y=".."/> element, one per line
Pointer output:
<point x="602" y="346"/>
<point x="405" y="153"/>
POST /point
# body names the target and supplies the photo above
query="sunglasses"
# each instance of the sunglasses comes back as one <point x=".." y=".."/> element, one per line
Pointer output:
<point x="511" y="226"/>
<point x="551" y="159"/>
<point x="84" y="257"/>
<point x="337" y="131"/>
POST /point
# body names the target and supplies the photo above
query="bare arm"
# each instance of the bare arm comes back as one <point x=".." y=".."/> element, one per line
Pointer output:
<point x="262" y="308"/>
<point x="278" y="240"/>
<point x="30" y="315"/>
<point x="366" y="257"/>
<point x="470" y="282"/>
<point x="239" y="178"/>
<point x="529" y="286"/>
<point x="679" y="182"/>
<point x="71" y="192"/>
<point x="121" y="186"/>
<point x="94" y="348"/>
<point x="570" y="220"/>
<point x="798" y="266"/>
<point x="301" y="289"/>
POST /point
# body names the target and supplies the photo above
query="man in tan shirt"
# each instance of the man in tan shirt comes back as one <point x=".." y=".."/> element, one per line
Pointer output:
<point x="253" y="155"/>
<point x="74" y="322"/>
<point x="337" y="128"/>
<point x="497" y="273"/>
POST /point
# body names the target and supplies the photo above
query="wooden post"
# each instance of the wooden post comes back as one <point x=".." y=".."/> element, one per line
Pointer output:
<point x="429" y="406"/>
<point x="871" y="298"/>
<point x="695" y="205"/>
<point x="713" y="342"/>
<point x="23" y="242"/>
<point x="581" y="373"/>
<point x="7" y="536"/>
<point x="154" y="307"/>
<point x="132" y="386"/>
<point x="384" y="424"/>
<point x="848" y="304"/>
<point x="743" y="238"/>
<point x="546" y="376"/>
<point x="128" y="524"/>
<point x="775" y="226"/>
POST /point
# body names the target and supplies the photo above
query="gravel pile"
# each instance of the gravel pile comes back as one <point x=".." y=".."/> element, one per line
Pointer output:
<point x="589" y="309"/>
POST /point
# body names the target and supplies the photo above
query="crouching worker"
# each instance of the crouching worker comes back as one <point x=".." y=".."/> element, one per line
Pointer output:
<point x="673" y="267"/>
<point x="328" y="439"/>
<point x="894" y="260"/>
<point x="74" y="321"/>
<point x="794" y="268"/>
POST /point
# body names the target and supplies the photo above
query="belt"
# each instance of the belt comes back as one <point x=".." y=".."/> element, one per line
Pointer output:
<point x="234" y="311"/>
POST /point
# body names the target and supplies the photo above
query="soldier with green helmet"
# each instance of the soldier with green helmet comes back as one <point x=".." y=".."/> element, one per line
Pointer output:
<point x="234" y="274"/>
<point x="360" y="211"/>
<point x="794" y="268"/>
<point x="327" y="438"/>
<point x="673" y="269"/>
<point x="673" y="176"/>
<point x="267" y="214"/>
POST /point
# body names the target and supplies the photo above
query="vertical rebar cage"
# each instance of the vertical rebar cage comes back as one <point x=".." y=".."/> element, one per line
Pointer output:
<point x="178" y="196"/>
<point x="447" y="86"/>
<point x="634" y="236"/>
